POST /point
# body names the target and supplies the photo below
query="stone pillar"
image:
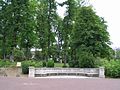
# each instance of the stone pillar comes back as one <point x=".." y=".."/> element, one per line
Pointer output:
<point x="101" y="72"/>
<point x="31" y="72"/>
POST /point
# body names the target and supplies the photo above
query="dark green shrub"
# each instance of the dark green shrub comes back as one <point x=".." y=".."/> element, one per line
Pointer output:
<point x="27" y="64"/>
<point x="38" y="64"/>
<point x="50" y="63"/>
<point x="44" y="63"/>
<point x="86" y="60"/>
<point x="38" y="55"/>
<point x="73" y="63"/>
<point x="25" y="67"/>
<point x="64" y="66"/>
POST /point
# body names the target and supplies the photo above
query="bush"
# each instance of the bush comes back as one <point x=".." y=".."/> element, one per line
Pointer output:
<point x="27" y="64"/>
<point x="25" y="67"/>
<point x="50" y="63"/>
<point x="112" y="69"/>
<point x="18" y="55"/>
<point x="73" y="63"/>
<point x="38" y="55"/>
<point x="64" y="66"/>
<point x="87" y="60"/>
<point x="44" y="63"/>
<point x="6" y="63"/>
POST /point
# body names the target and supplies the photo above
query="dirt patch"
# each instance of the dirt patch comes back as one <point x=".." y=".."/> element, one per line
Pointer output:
<point x="11" y="72"/>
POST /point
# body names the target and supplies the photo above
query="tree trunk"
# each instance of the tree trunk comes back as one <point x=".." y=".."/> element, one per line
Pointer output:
<point x="4" y="47"/>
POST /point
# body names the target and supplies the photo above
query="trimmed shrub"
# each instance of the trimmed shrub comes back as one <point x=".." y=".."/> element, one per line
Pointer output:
<point x="50" y="63"/>
<point x="25" y="67"/>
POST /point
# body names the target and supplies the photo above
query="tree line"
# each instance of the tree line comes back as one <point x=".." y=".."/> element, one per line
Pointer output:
<point x="27" y="24"/>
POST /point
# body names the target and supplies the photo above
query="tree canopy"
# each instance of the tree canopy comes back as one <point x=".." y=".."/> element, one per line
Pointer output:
<point x="28" y="24"/>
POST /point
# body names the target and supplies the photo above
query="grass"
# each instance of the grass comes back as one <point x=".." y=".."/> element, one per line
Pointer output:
<point x="7" y="63"/>
<point x="60" y="65"/>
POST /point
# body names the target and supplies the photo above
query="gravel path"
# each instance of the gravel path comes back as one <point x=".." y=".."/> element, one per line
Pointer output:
<point x="7" y="83"/>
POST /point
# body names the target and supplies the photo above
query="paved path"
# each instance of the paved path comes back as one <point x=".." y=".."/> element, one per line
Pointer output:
<point x="58" y="84"/>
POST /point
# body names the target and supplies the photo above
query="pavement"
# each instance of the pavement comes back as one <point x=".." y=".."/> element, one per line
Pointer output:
<point x="64" y="77"/>
<point x="58" y="83"/>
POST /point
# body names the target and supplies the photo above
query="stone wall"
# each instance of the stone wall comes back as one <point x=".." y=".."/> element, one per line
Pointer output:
<point x="98" y="72"/>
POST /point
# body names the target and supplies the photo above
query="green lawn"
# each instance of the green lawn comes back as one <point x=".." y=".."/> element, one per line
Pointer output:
<point x="60" y="65"/>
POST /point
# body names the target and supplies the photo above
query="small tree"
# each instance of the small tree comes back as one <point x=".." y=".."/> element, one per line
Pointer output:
<point x="18" y="55"/>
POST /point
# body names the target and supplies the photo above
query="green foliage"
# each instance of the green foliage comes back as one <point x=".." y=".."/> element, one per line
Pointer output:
<point x="4" y="27"/>
<point x="91" y="33"/>
<point x="44" y="64"/>
<point x="59" y="64"/>
<point x="112" y="68"/>
<point x="64" y="66"/>
<point x="86" y="60"/>
<point x="50" y="63"/>
<point x="46" y="20"/>
<point x="73" y="63"/>
<point x="17" y="29"/>
<point x="38" y="55"/>
<point x="68" y="27"/>
<point x="27" y="64"/>
<point x="35" y="24"/>
<point x="25" y="67"/>
<point x="7" y="63"/>
<point x="19" y="55"/>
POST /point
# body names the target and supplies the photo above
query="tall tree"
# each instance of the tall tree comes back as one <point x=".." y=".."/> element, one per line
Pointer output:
<point x="42" y="27"/>
<point x="51" y="23"/>
<point x="28" y="36"/>
<point x="90" y="33"/>
<point x="59" y="35"/>
<point x="46" y="22"/>
<point x="68" y="26"/>
<point x="5" y="10"/>
<point x="17" y="19"/>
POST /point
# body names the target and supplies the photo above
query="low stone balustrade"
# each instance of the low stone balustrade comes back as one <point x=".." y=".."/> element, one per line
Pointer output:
<point x="90" y="72"/>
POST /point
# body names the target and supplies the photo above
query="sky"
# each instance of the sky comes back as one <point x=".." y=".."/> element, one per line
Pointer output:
<point x="109" y="10"/>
